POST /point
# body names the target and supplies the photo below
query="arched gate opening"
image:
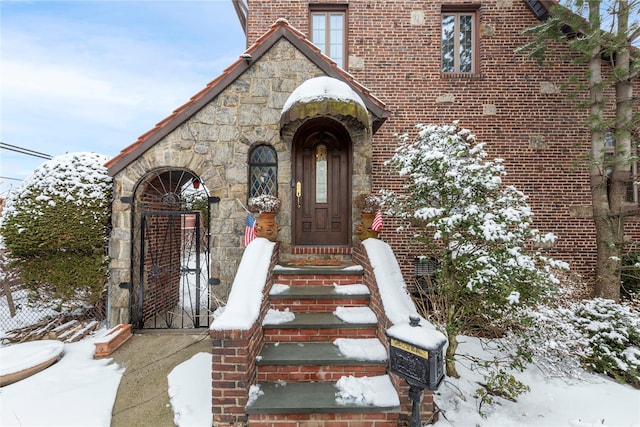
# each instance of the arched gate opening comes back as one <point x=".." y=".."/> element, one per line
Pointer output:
<point x="170" y="263"/>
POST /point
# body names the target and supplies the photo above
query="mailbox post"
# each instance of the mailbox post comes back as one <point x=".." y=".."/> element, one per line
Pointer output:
<point x="416" y="354"/>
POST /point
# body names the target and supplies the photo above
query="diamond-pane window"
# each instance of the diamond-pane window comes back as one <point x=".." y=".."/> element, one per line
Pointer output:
<point x="263" y="171"/>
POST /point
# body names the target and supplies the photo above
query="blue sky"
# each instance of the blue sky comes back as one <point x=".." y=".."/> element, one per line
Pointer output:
<point x="94" y="75"/>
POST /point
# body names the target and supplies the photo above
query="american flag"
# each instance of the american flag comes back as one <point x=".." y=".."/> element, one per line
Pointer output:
<point x="376" y="225"/>
<point x="249" y="230"/>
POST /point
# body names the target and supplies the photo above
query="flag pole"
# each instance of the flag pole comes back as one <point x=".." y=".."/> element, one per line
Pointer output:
<point x="245" y="209"/>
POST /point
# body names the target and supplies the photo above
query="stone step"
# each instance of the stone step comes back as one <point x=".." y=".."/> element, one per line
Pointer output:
<point x="320" y="361"/>
<point x="318" y="298"/>
<point x="313" y="353"/>
<point x="317" y="327"/>
<point x="308" y="398"/>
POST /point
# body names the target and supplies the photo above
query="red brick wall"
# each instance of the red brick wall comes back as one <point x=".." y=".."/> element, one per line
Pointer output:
<point x="401" y="67"/>
<point x="427" y="407"/>
<point x="233" y="359"/>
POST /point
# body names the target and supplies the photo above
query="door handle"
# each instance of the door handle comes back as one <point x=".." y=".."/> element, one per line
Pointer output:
<point x="299" y="192"/>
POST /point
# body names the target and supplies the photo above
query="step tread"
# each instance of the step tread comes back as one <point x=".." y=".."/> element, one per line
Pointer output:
<point x="318" y="269"/>
<point x="304" y="398"/>
<point x="319" y="292"/>
<point x="308" y="354"/>
<point x="318" y="320"/>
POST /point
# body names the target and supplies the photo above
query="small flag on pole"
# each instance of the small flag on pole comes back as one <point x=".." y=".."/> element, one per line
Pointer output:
<point x="249" y="230"/>
<point x="376" y="225"/>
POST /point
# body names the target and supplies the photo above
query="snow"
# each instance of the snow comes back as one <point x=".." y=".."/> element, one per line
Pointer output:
<point x="351" y="289"/>
<point x="367" y="391"/>
<point x="397" y="303"/>
<point x="424" y="335"/>
<point x="393" y="290"/>
<point x="17" y="358"/>
<point x="356" y="314"/>
<point x="319" y="88"/>
<point x="278" y="288"/>
<point x="276" y="317"/>
<point x="80" y="391"/>
<point x="188" y="383"/>
<point x="588" y="401"/>
<point x="361" y="348"/>
<point x="83" y="175"/>
<point x="26" y="312"/>
<point x="75" y="391"/>
<point x="245" y="299"/>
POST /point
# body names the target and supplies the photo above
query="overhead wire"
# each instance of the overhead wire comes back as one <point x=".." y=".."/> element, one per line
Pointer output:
<point x="23" y="150"/>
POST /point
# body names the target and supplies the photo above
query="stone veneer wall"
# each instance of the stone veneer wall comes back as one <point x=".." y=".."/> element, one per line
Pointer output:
<point x="214" y="145"/>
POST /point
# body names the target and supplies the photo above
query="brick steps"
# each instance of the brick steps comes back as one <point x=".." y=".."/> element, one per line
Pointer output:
<point x="299" y="364"/>
<point x="317" y="327"/>
<point x="311" y="353"/>
<point x="312" y="361"/>
<point x="310" y="298"/>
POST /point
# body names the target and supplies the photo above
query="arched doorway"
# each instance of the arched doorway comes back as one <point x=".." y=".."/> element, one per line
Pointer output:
<point x="322" y="174"/>
<point x="170" y="266"/>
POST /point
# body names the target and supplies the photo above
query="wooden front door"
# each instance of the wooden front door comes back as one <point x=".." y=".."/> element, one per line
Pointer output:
<point x="321" y="197"/>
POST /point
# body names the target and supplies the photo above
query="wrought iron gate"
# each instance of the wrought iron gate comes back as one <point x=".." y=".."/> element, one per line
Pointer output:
<point x="174" y="271"/>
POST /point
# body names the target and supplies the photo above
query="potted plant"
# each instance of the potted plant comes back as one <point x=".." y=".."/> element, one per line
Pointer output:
<point x="369" y="205"/>
<point x="267" y="206"/>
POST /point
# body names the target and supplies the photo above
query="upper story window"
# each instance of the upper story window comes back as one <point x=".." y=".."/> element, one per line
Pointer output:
<point x="631" y="194"/>
<point x="329" y="31"/>
<point x="459" y="41"/>
<point x="263" y="171"/>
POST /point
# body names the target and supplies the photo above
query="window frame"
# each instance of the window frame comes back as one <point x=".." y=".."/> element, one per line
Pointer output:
<point x="632" y="196"/>
<point x="327" y="10"/>
<point x="252" y="165"/>
<point x="457" y="11"/>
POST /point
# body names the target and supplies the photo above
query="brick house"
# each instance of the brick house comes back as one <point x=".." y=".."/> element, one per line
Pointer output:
<point x="402" y="63"/>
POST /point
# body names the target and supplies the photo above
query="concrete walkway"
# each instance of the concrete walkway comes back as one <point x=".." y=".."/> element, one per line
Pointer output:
<point x="148" y="357"/>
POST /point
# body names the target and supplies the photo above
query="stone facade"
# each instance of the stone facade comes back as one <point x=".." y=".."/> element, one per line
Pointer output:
<point x="213" y="145"/>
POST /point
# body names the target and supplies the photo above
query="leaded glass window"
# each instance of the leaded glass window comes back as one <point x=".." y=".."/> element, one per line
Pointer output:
<point x="263" y="171"/>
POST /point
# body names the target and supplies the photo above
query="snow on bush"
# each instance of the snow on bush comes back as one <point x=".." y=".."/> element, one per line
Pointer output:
<point x="55" y="225"/>
<point x="598" y="334"/>
<point x="480" y="232"/>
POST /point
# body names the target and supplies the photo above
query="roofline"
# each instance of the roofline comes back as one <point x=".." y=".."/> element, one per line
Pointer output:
<point x="280" y="29"/>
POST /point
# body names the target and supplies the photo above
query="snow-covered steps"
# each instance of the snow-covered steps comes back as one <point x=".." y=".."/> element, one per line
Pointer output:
<point x="321" y="361"/>
<point x="372" y="402"/>
<point x="318" y="298"/>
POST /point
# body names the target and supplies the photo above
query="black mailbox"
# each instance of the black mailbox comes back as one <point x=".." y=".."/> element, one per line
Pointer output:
<point x="424" y="367"/>
<point x="421" y="366"/>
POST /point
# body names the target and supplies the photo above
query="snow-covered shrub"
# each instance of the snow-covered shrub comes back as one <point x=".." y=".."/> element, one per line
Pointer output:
<point x="54" y="226"/>
<point x="613" y="333"/>
<point x="596" y="334"/>
<point x="480" y="232"/>
<point x="475" y="226"/>
<point x="630" y="276"/>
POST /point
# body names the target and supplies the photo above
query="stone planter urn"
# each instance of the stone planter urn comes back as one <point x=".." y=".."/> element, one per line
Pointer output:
<point x="266" y="226"/>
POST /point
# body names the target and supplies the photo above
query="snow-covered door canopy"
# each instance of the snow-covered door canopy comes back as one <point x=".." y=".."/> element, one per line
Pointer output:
<point x="323" y="96"/>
